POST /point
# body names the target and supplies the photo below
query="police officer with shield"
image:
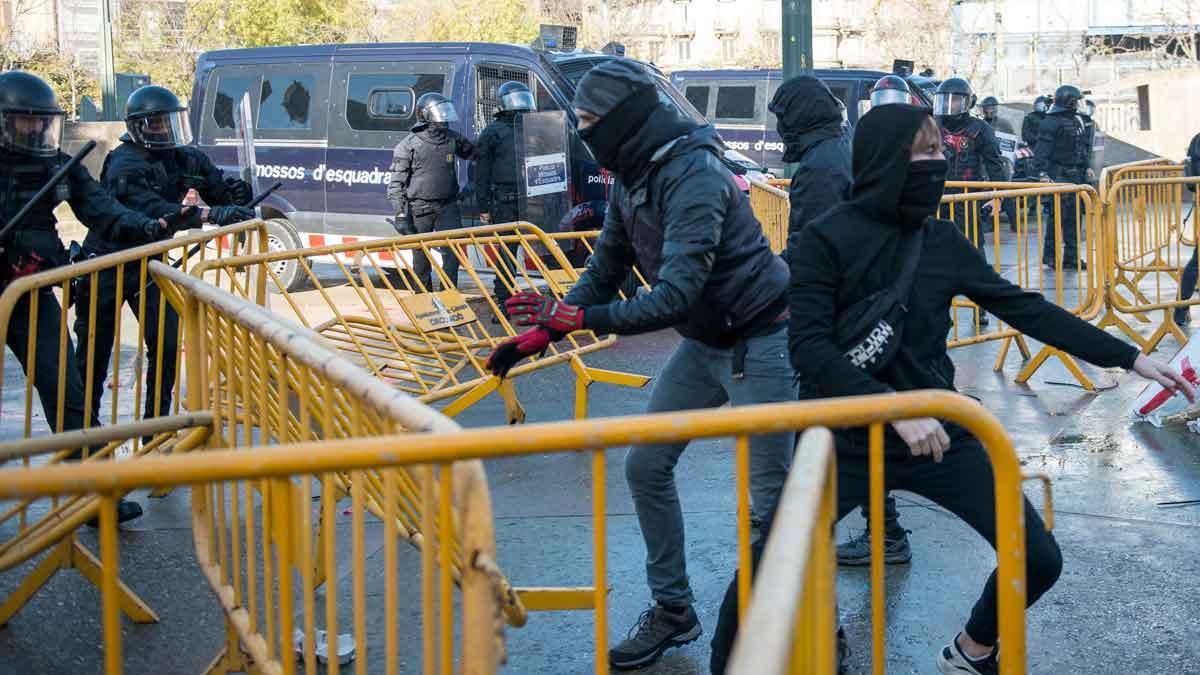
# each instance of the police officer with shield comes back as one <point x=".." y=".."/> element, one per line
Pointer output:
<point x="1062" y="156"/>
<point x="424" y="185"/>
<point x="1033" y="119"/>
<point x="497" y="181"/>
<point x="151" y="172"/>
<point x="31" y="124"/>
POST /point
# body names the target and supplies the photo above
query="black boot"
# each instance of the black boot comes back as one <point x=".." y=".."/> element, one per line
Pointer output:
<point x="126" y="511"/>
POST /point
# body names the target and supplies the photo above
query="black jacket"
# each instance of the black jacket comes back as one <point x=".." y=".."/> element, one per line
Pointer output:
<point x="851" y="252"/>
<point x="21" y="176"/>
<point x="496" y="175"/>
<point x="1063" y="150"/>
<point x="689" y="229"/>
<point x="971" y="149"/>
<point x="810" y="122"/>
<point x="424" y="167"/>
<point x="155" y="183"/>
<point x="1191" y="163"/>
<point x="1029" y="127"/>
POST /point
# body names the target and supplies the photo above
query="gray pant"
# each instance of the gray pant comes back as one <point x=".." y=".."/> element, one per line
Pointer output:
<point x="700" y="376"/>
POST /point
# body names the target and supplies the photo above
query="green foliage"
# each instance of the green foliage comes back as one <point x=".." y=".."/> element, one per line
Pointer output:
<point x="69" y="81"/>
<point x="509" y="21"/>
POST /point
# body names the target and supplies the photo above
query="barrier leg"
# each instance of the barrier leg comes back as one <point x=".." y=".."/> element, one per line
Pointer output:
<point x="514" y="412"/>
<point x="585" y="376"/>
<point x="1022" y="346"/>
<point x="473" y="396"/>
<point x="1167" y="327"/>
<point x="1066" y="359"/>
<point x="1110" y="318"/>
<point x="31" y="584"/>
<point x="232" y="659"/>
<point x="133" y="606"/>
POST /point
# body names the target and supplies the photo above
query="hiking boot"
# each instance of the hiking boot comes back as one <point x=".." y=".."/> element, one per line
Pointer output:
<point x="657" y="629"/>
<point x="857" y="551"/>
<point x="126" y="510"/>
<point x="1183" y="316"/>
<point x="952" y="661"/>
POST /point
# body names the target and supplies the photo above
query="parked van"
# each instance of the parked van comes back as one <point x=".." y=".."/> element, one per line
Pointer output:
<point x="327" y="117"/>
<point x="735" y="102"/>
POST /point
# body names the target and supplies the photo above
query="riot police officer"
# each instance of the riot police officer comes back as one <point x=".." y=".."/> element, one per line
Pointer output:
<point x="424" y="185"/>
<point x="150" y="172"/>
<point x="1061" y="155"/>
<point x="968" y="142"/>
<point x="990" y="107"/>
<point x="1029" y="125"/>
<point x="31" y="124"/>
<point x="890" y="89"/>
<point x="497" y="181"/>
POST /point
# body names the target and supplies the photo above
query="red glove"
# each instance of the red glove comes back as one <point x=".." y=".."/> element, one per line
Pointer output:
<point x="510" y="352"/>
<point x="532" y="309"/>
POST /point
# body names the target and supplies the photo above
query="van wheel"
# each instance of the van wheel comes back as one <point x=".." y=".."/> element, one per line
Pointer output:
<point x="282" y="236"/>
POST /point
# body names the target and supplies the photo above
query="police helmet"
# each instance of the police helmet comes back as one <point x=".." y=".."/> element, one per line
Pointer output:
<point x="434" y="108"/>
<point x="31" y="122"/>
<point x="515" y="96"/>
<point x="156" y="119"/>
<point x="889" y="89"/>
<point x="1041" y="103"/>
<point x="1067" y="97"/>
<point x="1089" y="108"/>
<point x="953" y="97"/>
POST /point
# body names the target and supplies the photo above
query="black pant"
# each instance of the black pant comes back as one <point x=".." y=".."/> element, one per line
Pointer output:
<point x="45" y="368"/>
<point x="160" y="377"/>
<point x="891" y="517"/>
<point x="1187" y="282"/>
<point x="1070" y="236"/>
<point x="962" y="484"/>
<point x="506" y="263"/>
<point x="436" y="217"/>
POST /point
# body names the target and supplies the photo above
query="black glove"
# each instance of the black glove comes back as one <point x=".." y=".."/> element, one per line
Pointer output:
<point x="239" y="191"/>
<point x="149" y="231"/>
<point x="187" y="218"/>
<point x="228" y="215"/>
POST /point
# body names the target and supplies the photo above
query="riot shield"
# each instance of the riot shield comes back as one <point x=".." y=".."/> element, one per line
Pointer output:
<point x="543" y="165"/>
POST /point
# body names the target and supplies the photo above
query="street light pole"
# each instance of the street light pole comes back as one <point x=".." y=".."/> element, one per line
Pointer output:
<point x="108" y="83"/>
<point x="797" y="42"/>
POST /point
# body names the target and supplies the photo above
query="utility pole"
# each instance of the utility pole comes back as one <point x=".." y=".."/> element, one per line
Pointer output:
<point x="108" y="78"/>
<point x="797" y="43"/>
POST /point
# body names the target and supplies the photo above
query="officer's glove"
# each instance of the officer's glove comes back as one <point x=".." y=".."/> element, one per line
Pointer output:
<point x="228" y="215"/>
<point x="187" y="218"/>
<point x="532" y="309"/>
<point x="239" y="191"/>
<point x="509" y="353"/>
<point x="148" y="231"/>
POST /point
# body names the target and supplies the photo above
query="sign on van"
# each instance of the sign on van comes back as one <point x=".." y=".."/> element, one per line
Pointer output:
<point x="545" y="174"/>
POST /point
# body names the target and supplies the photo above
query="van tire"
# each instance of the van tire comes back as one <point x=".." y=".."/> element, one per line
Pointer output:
<point x="282" y="236"/>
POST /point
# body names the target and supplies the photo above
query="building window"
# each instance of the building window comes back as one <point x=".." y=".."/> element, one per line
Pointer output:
<point x="1143" y="95"/>
<point x="683" y="50"/>
<point x="773" y="44"/>
<point x="655" y="51"/>
<point x="728" y="48"/>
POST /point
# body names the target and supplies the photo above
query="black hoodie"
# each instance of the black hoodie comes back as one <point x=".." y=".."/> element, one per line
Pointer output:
<point x="851" y="251"/>
<point x="809" y="119"/>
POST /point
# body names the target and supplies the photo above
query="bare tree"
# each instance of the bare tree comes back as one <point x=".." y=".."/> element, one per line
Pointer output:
<point x="919" y="30"/>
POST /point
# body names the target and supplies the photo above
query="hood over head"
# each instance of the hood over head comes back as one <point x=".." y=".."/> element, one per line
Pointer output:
<point x="806" y="113"/>
<point x="882" y="152"/>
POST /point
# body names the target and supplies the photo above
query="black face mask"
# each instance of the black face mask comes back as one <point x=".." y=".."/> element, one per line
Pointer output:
<point x="607" y="136"/>
<point x="923" y="190"/>
<point x="606" y="154"/>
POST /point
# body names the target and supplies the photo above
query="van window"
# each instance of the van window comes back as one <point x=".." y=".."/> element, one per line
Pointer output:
<point x="230" y="90"/>
<point x="545" y="99"/>
<point x="698" y="97"/>
<point x="488" y="78"/>
<point x="736" y="102"/>
<point x="285" y="101"/>
<point x="841" y="92"/>
<point x="386" y="101"/>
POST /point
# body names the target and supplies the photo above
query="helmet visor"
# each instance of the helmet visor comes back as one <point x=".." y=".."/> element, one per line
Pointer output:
<point x="888" y="96"/>
<point x="441" y="112"/>
<point x="162" y="130"/>
<point x="32" y="134"/>
<point x="1040" y="106"/>
<point x="946" y="103"/>
<point x="517" y="100"/>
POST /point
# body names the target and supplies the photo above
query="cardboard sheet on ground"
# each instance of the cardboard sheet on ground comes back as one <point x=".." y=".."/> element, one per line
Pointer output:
<point x="1159" y="406"/>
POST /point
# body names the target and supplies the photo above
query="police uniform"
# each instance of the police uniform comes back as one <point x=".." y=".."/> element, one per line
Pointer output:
<point x="970" y="147"/>
<point x="1062" y="154"/>
<point x="497" y="180"/>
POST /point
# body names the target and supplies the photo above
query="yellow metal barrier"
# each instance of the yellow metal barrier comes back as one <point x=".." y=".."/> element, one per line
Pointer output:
<point x="378" y="452"/>
<point x="367" y="300"/>
<point x="791" y="623"/>
<point x="31" y="317"/>
<point x="1039" y="210"/>
<point x="1147" y="246"/>
<point x="1143" y="168"/>
<point x="771" y="207"/>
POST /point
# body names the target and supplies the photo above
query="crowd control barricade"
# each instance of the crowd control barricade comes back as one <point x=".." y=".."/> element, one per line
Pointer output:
<point x="269" y="383"/>
<point x="1016" y="253"/>
<point x="366" y="299"/>
<point x="272" y="470"/>
<point x="1149" y="240"/>
<point x="771" y="207"/>
<point x="31" y="527"/>
<point x="1142" y="168"/>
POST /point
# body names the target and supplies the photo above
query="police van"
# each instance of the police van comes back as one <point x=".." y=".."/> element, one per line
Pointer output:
<point x="735" y="102"/>
<point x="327" y="117"/>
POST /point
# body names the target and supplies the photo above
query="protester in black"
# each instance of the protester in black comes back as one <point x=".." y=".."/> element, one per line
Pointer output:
<point x="1187" y="283"/>
<point x="853" y="251"/>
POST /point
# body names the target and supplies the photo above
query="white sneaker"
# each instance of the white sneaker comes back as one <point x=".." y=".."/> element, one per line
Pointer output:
<point x="952" y="661"/>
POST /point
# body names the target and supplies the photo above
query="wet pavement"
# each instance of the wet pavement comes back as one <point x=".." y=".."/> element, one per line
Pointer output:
<point x="1125" y="602"/>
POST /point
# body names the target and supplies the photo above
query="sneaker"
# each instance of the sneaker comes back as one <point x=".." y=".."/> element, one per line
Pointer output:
<point x="657" y="629"/>
<point x="126" y="510"/>
<point x="1183" y="316"/>
<point x="857" y="551"/>
<point x="952" y="661"/>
